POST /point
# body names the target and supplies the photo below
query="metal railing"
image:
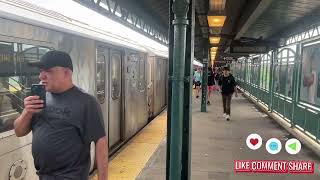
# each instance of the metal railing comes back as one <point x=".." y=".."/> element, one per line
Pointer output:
<point x="301" y="115"/>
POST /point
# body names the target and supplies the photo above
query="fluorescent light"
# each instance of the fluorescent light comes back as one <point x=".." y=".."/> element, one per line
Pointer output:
<point x="216" y="21"/>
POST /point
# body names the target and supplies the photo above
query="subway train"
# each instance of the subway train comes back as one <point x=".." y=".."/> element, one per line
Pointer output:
<point x="128" y="78"/>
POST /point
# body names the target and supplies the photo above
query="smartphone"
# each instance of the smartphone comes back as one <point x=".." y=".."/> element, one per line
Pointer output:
<point x="39" y="90"/>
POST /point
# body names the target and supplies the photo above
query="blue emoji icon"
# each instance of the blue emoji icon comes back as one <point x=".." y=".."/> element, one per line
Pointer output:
<point x="273" y="146"/>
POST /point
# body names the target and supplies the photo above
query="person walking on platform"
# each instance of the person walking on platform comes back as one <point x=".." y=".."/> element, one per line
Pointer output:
<point x="217" y="76"/>
<point x="211" y="83"/>
<point x="227" y="85"/>
<point x="64" y="128"/>
<point x="198" y="80"/>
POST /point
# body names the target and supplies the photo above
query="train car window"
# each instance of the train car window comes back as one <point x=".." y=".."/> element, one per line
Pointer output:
<point x="27" y="53"/>
<point x="43" y="51"/>
<point x="132" y="66"/>
<point x="101" y="76"/>
<point x="159" y="63"/>
<point x="16" y="78"/>
<point x="7" y="59"/>
<point x="149" y="74"/>
<point x="115" y="75"/>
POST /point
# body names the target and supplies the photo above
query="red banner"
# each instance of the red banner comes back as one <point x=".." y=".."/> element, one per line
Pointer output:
<point x="274" y="166"/>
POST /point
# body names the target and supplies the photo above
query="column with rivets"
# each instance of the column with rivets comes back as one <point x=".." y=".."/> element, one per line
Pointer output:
<point x="177" y="80"/>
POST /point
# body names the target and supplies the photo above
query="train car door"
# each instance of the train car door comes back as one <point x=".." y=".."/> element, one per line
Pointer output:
<point x="115" y="97"/>
<point x="150" y="86"/>
<point x="102" y="82"/>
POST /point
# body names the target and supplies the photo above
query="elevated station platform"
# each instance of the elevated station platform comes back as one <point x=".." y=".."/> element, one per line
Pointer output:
<point x="136" y="56"/>
<point x="216" y="143"/>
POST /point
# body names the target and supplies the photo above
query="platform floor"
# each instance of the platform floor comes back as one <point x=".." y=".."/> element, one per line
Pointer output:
<point x="216" y="143"/>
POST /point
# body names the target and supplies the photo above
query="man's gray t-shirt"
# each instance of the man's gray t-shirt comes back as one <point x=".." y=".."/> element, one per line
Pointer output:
<point x="62" y="134"/>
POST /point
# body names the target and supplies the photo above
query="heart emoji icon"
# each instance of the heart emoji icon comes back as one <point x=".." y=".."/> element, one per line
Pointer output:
<point x="254" y="141"/>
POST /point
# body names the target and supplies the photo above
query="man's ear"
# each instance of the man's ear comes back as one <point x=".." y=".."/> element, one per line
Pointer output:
<point x="67" y="72"/>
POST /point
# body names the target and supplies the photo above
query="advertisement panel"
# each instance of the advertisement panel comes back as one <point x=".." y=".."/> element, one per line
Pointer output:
<point x="289" y="80"/>
<point x="310" y="74"/>
<point x="276" y="78"/>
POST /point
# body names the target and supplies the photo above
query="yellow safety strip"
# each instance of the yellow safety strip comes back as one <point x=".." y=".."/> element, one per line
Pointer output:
<point x="131" y="160"/>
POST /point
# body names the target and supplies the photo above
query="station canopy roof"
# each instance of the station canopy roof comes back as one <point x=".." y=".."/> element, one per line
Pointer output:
<point x="223" y="24"/>
<point x="254" y="22"/>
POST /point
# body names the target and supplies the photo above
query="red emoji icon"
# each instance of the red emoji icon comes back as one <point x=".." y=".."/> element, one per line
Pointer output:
<point x="254" y="141"/>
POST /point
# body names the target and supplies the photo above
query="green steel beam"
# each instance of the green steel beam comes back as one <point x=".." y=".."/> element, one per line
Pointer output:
<point x="180" y="10"/>
<point x="145" y="17"/>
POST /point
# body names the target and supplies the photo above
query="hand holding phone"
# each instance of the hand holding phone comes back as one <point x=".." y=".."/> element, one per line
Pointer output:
<point x="37" y="101"/>
<point x="33" y="104"/>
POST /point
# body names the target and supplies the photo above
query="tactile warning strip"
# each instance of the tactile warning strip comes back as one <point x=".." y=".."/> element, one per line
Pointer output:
<point x="131" y="160"/>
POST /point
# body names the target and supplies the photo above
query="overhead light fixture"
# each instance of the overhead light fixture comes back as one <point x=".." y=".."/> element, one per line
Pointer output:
<point x="217" y="5"/>
<point x="214" y="49"/>
<point x="214" y="40"/>
<point x="216" y="21"/>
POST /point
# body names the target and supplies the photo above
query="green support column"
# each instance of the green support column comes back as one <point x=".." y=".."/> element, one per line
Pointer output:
<point x="245" y="75"/>
<point x="180" y="11"/>
<point x="171" y="35"/>
<point x="187" y="118"/>
<point x="204" y="86"/>
<point x="271" y="82"/>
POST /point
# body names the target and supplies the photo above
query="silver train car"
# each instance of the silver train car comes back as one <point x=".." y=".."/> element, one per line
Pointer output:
<point x="128" y="79"/>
